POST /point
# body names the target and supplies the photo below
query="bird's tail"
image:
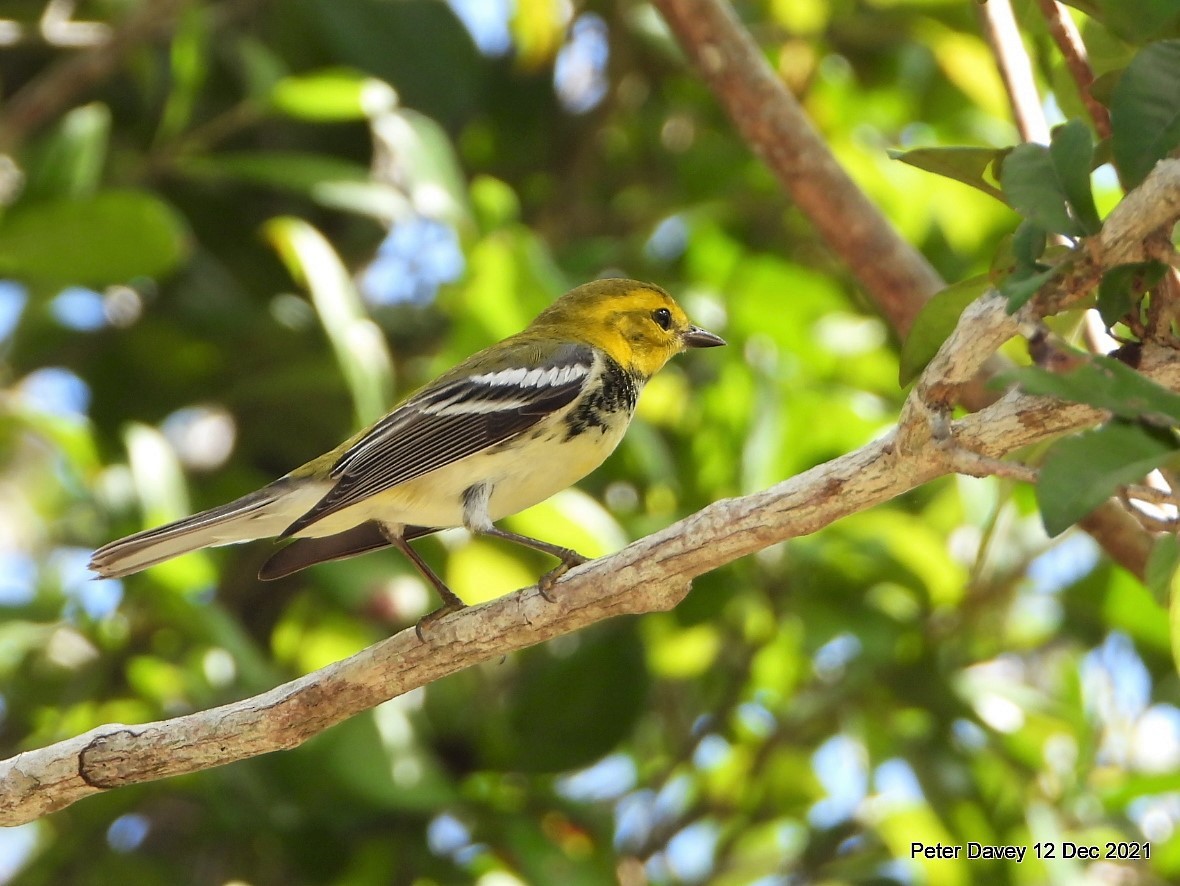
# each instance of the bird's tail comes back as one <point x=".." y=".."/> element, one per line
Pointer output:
<point x="260" y="514"/>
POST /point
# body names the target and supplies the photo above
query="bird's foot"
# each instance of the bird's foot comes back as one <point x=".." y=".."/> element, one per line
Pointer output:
<point x="569" y="560"/>
<point x="430" y="618"/>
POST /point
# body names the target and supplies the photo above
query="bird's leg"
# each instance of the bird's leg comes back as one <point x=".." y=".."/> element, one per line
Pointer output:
<point x="450" y="601"/>
<point x="476" y="499"/>
<point x="568" y="556"/>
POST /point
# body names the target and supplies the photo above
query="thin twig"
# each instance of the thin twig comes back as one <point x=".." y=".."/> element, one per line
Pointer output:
<point x="895" y="277"/>
<point x="999" y="26"/>
<point x="57" y="87"/>
<point x="1017" y="73"/>
<point x="1069" y="41"/>
<point x="894" y="274"/>
<point x="1151" y="495"/>
<point x="651" y="574"/>
<point x="973" y="464"/>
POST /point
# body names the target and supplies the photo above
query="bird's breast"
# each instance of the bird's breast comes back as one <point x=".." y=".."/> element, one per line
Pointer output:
<point x="604" y="404"/>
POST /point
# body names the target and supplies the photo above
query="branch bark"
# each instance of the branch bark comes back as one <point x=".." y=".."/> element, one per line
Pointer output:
<point x="999" y="24"/>
<point x="650" y="575"/>
<point x="654" y="572"/>
<point x="894" y="274"/>
<point x="1069" y="41"/>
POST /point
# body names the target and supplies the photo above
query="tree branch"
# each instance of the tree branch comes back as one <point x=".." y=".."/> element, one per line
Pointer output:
<point x="1073" y="50"/>
<point x="894" y="274"/>
<point x="650" y="575"/>
<point x="999" y="25"/>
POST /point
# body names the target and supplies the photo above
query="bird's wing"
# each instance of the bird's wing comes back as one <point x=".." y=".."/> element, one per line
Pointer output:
<point x="463" y="413"/>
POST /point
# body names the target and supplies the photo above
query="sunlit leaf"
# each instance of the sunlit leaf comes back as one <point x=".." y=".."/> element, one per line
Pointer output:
<point x="483" y="570"/>
<point x="69" y="161"/>
<point x="188" y="53"/>
<point x="358" y="344"/>
<point x="963" y="164"/>
<point x="335" y="94"/>
<point x="420" y="156"/>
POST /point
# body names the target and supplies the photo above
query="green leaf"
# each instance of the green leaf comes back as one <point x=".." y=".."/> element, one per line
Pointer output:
<point x="1145" y="111"/>
<point x="1161" y="567"/>
<point x="963" y="164"/>
<point x="360" y="349"/>
<point x="1104" y="383"/>
<point x="69" y="162"/>
<point x="1072" y="152"/>
<point x="1083" y="471"/>
<point x="935" y="322"/>
<point x="1028" y="245"/>
<point x="1121" y="285"/>
<point x="1136" y="21"/>
<point x="189" y="49"/>
<point x="568" y="712"/>
<point x="1034" y="189"/>
<point x="287" y="170"/>
<point x="425" y="160"/>
<point x="1174" y="619"/>
<point x="332" y="95"/>
<point x="261" y="67"/>
<point x="329" y="181"/>
<point x="1019" y="288"/>
<point x="108" y="238"/>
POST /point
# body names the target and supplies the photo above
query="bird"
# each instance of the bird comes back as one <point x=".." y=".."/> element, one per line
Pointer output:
<point x="504" y="430"/>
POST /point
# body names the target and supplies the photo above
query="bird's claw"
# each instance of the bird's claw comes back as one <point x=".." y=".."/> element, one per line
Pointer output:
<point x="430" y="618"/>
<point x="568" y="562"/>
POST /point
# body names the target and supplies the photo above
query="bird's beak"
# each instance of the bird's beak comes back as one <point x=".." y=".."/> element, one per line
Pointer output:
<point x="695" y="337"/>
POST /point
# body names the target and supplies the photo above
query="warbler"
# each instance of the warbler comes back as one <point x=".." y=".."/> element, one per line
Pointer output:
<point x="500" y="432"/>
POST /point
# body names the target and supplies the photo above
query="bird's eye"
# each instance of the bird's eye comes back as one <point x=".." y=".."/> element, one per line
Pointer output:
<point x="663" y="318"/>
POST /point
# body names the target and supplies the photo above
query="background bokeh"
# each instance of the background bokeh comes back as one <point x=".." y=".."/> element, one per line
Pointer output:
<point x="270" y="220"/>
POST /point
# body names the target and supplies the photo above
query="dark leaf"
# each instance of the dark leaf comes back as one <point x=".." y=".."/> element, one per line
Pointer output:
<point x="1145" y="111"/>
<point x="1104" y="383"/>
<point x="1083" y="471"/>
<point x="568" y="712"/>
<point x="1034" y="189"/>
<point x="1120" y="287"/>
<point x="1020" y="288"/>
<point x="1072" y="152"/>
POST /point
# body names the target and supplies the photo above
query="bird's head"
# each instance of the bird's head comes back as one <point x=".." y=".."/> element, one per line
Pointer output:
<point x="637" y="324"/>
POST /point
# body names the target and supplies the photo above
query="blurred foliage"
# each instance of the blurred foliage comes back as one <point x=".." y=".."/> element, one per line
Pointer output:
<point x="257" y="233"/>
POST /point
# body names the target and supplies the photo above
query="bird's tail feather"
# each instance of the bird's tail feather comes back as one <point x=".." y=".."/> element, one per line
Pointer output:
<point x="260" y="514"/>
